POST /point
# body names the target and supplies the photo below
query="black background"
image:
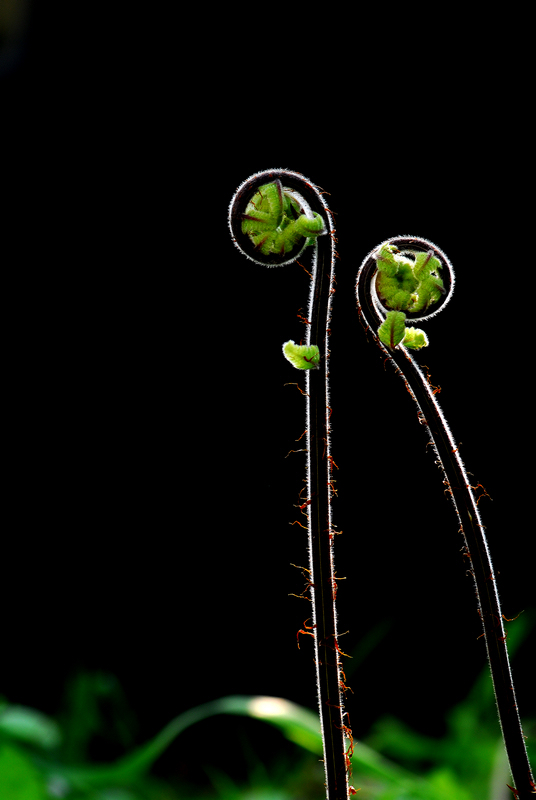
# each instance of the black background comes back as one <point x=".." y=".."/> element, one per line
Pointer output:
<point x="148" y="493"/>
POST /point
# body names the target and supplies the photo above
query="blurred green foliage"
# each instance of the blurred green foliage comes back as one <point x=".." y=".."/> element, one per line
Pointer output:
<point x="42" y="758"/>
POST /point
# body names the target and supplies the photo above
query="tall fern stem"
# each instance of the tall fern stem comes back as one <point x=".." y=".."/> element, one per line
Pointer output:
<point x="321" y="575"/>
<point x="459" y="489"/>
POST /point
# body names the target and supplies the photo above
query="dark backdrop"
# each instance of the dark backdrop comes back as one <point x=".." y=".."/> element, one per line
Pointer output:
<point x="149" y="496"/>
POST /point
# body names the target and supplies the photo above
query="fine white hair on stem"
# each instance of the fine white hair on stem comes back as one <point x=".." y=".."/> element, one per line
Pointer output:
<point x="321" y="572"/>
<point x="464" y="500"/>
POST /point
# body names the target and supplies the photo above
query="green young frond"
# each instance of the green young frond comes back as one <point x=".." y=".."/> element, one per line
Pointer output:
<point x="310" y="227"/>
<point x="396" y="291"/>
<point x="390" y="261"/>
<point x="415" y="338"/>
<point x="257" y="221"/>
<point x="302" y="356"/>
<point x="274" y="222"/>
<point x="425" y="263"/>
<point x="393" y="329"/>
<point x="406" y="285"/>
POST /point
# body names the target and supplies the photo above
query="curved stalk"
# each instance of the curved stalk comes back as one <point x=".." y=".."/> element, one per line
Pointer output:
<point x="322" y="586"/>
<point x="459" y="488"/>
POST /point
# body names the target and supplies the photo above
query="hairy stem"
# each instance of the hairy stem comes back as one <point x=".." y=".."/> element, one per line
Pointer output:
<point x="323" y="584"/>
<point x="476" y="547"/>
<point x="270" y="248"/>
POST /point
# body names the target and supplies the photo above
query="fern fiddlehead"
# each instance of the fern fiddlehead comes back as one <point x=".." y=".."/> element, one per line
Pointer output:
<point x="273" y="217"/>
<point x="407" y="277"/>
